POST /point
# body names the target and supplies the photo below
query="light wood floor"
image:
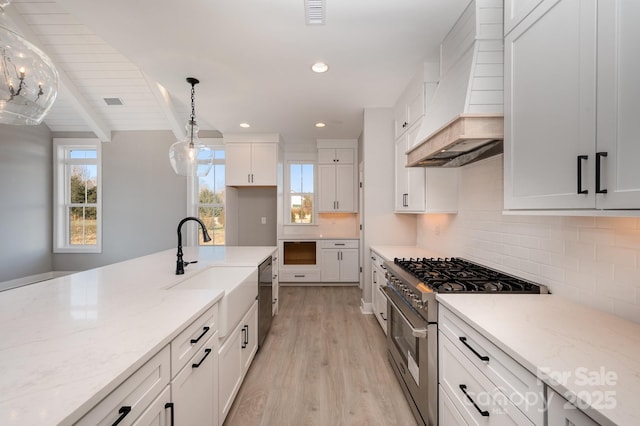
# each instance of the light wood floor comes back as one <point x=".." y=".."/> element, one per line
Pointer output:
<point x="324" y="363"/>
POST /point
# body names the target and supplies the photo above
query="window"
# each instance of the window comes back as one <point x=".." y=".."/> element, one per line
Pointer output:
<point x="77" y="196"/>
<point x="300" y="195"/>
<point x="210" y="202"/>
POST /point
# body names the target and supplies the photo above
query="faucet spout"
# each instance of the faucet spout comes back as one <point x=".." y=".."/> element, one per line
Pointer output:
<point x="180" y="264"/>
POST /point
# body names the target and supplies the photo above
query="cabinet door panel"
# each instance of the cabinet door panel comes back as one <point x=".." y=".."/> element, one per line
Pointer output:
<point x="550" y="106"/>
<point x="330" y="271"/>
<point x="562" y="413"/>
<point x="326" y="155"/>
<point x="618" y="111"/>
<point x="345" y="185"/>
<point x="229" y="372"/>
<point x="237" y="164"/>
<point x="251" y="345"/>
<point x="326" y="188"/>
<point x="157" y="414"/>
<point x="264" y="162"/>
<point x="349" y="265"/>
<point x="344" y="155"/>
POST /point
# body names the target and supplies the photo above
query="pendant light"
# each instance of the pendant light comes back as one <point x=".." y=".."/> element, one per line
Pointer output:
<point x="190" y="157"/>
<point x="28" y="78"/>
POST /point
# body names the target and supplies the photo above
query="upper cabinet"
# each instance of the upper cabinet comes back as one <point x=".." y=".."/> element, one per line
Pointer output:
<point x="337" y="176"/>
<point x="570" y="107"/>
<point x="251" y="163"/>
<point x="409" y="108"/>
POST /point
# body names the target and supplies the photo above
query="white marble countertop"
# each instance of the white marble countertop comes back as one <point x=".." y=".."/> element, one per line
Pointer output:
<point x="389" y="252"/>
<point x="67" y="342"/>
<point x="590" y="357"/>
<point x="324" y="236"/>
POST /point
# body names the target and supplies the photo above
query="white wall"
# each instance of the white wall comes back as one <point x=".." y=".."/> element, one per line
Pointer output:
<point x="590" y="260"/>
<point x="143" y="200"/>
<point x="26" y="173"/>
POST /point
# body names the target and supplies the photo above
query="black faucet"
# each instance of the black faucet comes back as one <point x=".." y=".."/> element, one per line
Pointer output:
<point x="180" y="264"/>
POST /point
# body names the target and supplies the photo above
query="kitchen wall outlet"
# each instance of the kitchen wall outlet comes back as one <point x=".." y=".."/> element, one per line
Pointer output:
<point x="263" y="220"/>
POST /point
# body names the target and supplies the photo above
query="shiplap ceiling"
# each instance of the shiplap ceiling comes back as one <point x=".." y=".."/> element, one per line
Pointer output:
<point x="253" y="59"/>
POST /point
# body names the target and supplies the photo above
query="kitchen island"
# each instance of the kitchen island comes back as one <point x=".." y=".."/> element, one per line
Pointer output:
<point x="68" y="342"/>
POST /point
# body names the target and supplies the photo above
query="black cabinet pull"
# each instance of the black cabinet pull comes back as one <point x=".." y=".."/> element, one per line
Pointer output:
<point x="206" y="354"/>
<point x="580" y="158"/>
<point x="482" y="357"/>
<point x="382" y="316"/>
<point x="484" y="413"/>
<point x="123" y="411"/>
<point x="244" y="337"/>
<point x="170" y="405"/>
<point x="204" y="331"/>
<point x="599" y="156"/>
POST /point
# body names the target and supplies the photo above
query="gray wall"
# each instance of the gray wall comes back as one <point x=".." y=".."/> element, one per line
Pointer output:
<point x="142" y="200"/>
<point x="252" y="205"/>
<point x="26" y="206"/>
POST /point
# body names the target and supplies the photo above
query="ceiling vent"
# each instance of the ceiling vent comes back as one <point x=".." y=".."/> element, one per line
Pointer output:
<point x="113" y="101"/>
<point x="314" y="11"/>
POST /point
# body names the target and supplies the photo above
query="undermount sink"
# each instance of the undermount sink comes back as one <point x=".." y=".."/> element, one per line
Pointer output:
<point x="240" y="286"/>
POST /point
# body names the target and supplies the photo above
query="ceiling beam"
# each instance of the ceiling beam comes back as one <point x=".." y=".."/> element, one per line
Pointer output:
<point x="176" y="123"/>
<point x="96" y="123"/>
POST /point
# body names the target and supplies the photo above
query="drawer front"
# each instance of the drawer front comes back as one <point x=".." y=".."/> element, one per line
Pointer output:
<point x="378" y="261"/>
<point x="299" y="276"/>
<point x="476" y="399"/>
<point x="339" y="244"/>
<point x="129" y="400"/>
<point x="189" y="342"/>
<point x="520" y="385"/>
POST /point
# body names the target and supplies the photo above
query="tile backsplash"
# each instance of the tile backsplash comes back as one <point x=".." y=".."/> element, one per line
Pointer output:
<point x="590" y="260"/>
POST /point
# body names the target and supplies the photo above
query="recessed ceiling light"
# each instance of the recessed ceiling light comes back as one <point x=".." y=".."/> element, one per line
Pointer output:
<point x="245" y="125"/>
<point x="321" y="124"/>
<point x="320" y="67"/>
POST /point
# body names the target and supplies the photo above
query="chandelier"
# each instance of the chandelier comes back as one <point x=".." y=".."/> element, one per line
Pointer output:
<point x="28" y="78"/>
<point x="190" y="157"/>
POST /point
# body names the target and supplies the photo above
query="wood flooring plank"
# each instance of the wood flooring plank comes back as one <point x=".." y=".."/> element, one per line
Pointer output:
<point x="324" y="363"/>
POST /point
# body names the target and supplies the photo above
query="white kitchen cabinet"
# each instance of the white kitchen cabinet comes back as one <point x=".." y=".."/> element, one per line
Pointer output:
<point x="335" y="155"/>
<point x="159" y="412"/>
<point x="194" y="388"/>
<point x="570" y="98"/>
<point x="378" y="281"/>
<point x="235" y="357"/>
<point x="336" y="188"/>
<point x="275" y="269"/>
<point x="410" y="106"/>
<point x="339" y="261"/>
<point x="410" y="194"/>
<point x="251" y="164"/>
<point x="515" y="11"/>
<point x="561" y="412"/>
<point x="448" y="414"/>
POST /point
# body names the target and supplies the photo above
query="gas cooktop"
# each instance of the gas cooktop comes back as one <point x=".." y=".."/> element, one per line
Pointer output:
<point x="460" y="275"/>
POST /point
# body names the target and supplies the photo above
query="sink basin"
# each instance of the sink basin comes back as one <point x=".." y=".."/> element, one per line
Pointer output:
<point x="240" y="286"/>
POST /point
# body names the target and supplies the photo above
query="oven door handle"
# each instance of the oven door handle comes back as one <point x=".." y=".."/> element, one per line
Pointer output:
<point x="420" y="333"/>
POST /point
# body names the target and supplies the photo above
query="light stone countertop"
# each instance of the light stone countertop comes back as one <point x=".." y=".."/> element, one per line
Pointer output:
<point x="590" y="357"/>
<point x="390" y="252"/>
<point x="324" y="236"/>
<point x="68" y="342"/>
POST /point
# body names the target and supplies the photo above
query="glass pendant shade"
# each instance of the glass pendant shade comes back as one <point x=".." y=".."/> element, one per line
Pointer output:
<point x="190" y="157"/>
<point x="28" y="79"/>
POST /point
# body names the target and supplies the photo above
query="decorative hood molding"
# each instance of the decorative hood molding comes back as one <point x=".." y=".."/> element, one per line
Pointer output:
<point x="464" y="120"/>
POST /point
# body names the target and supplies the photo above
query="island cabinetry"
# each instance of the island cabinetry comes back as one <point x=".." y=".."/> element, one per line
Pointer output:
<point x="276" y="284"/>
<point x="571" y="93"/>
<point x="561" y="412"/>
<point x="188" y="343"/>
<point x="251" y="164"/>
<point x="484" y="384"/>
<point x="339" y="261"/>
<point x="235" y="357"/>
<point x="159" y="412"/>
<point x="378" y="281"/>
<point x="132" y="397"/>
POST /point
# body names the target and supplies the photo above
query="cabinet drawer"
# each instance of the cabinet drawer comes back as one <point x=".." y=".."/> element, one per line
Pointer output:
<point x="129" y="400"/>
<point x="378" y="261"/>
<point x="300" y="276"/>
<point x="187" y="343"/>
<point x="520" y="385"/>
<point x="339" y="244"/>
<point x="473" y="395"/>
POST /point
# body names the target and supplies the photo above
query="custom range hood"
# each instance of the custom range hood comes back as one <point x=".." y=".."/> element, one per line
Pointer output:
<point x="464" y="121"/>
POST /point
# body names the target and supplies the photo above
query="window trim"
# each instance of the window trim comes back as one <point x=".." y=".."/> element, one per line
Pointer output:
<point x="60" y="222"/>
<point x="300" y="159"/>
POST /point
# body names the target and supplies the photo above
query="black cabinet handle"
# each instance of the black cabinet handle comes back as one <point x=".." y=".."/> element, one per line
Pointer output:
<point x="599" y="156"/>
<point x="580" y="190"/>
<point x="382" y="316"/>
<point x="482" y="357"/>
<point x="204" y="331"/>
<point x="123" y="411"/>
<point x="245" y="332"/>
<point x="484" y="413"/>
<point x="170" y="405"/>
<point x="206" y="354"/>
<point x="246" y="336"/>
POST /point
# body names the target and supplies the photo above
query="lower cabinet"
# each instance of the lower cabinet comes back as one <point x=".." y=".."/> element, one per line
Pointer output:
<point x="378" y="281"/>
<point x="561" y="412"/>
<point x="159" y="413"/>
<point x="340" y="261"/>
<point x="235" y="357"/>
<point x="193" y="388"/>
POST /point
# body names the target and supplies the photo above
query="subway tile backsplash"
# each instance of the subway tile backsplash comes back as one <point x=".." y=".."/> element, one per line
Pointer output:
<point x="590" y="260"/>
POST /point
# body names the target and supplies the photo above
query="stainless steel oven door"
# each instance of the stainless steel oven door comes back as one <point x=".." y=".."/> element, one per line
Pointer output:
<point x="408" y="341"/>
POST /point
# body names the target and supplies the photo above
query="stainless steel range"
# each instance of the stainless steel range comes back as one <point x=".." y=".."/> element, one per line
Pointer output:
<point x="412" y="334"/>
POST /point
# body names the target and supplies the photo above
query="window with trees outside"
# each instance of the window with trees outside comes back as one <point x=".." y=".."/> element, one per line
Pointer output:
<point x="301" y="189"/>
<point x="210" y="204"/>
<point x="77" y="196"/>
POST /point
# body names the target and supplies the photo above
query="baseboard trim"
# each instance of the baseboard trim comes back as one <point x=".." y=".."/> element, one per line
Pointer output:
<point x="366" y="307"/>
